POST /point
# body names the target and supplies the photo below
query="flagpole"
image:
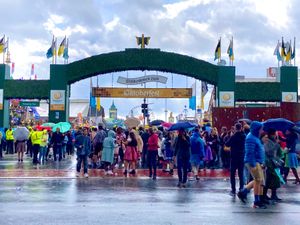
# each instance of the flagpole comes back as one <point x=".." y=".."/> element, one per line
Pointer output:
<point x="55" y="50"/>
<point x="220" y="51"/>
<point x="278" y="61"/>
<point x="52" y="50"/>
<point x="4" y="49"/>
<point x="294" y="51"/>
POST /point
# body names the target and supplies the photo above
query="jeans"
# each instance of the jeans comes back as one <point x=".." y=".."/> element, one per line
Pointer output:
<point x="80" y="159"/>
<point x="182" y="167"/>
<point x="10" y="147"/>
<point x="43" y="150"/>
<point x="57" y="149"/>
<point x="152" y="157"/>
<point x="233" y="167"/>
<point x="35" y="150"/>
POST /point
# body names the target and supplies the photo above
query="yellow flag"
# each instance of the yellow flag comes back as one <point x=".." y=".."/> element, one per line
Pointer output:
<point x="98" y="104"/>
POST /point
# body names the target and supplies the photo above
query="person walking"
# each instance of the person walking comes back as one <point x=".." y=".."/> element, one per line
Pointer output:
<point x="197" y="152"/>
<point x="291" y="155"/>
<point x="97" y="142"/>
<point x="236" y="143"/>
<point x="182" y="156"/>
<point x="43" y="146"/>
<point x="109" y="144"/>
<point x="83" y="146"/>
<point x="9" y="141"/>
<point x="254" y="161"/>
<point x="57" y="142"/>
<point x="152" y="153"/>
<point x="273" y="162"/>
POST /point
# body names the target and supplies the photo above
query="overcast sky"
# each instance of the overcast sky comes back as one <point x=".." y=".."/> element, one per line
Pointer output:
<point x="190" y="27"/>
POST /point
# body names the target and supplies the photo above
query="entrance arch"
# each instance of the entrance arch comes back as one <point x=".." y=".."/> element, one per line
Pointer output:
<point x="62" y="76"/>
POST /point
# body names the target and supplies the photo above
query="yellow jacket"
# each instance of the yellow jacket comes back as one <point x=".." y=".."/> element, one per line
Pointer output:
<point x="9" y="135"/>
<point x="36" y="137"/>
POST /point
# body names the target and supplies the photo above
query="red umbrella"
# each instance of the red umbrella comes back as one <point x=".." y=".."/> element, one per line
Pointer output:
<point x="167" y="125"/>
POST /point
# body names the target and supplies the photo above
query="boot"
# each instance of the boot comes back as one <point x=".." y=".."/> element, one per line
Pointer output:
<point x="274" y="196"/>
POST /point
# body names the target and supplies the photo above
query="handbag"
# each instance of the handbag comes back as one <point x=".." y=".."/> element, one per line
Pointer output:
<point x="226" y="148"/>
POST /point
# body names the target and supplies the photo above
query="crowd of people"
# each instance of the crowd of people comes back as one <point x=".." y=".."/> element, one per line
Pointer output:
<point x="262" y="159"/>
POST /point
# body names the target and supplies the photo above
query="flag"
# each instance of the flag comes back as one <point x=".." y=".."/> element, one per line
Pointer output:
<point x="66" y="50"/>
<point x="5" y="46"/>
<point x="12" y="68"/>
<point x="98" y="106"/>
<point x="32" y="70"/>
<point x="282" y="53"/>
<point x="62" y="47"/>
<point x="218" y="50"/>
<point x="2" y="44"/>
<point x="204" y="90"/>
<point x="92" y="98"/>
<point x="230" y="50"/>
<point x="277" y="52"/>
<point x="294" y="50"/>
<point x="52" y="50"/>
<point x="192" y="100"/>
<point x="288" y="52"/>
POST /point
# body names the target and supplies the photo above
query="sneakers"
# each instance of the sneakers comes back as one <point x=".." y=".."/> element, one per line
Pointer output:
<point x="86" y="175"/>
<point x="242" y="196"/>
<point x="110" y="172"/>
<point x="259" y="205"/>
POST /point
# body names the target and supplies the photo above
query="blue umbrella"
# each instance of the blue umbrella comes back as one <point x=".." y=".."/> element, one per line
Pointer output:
<point x="63" y="126"/>
<point x="297" y="124"/>
<point x="278" y="124"/>
<point x="182" y="125"/>
<point x="156" y="122"/>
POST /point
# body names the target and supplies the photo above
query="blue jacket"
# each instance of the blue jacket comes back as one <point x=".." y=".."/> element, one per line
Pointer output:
<point x="83" y="144"/>
<point x="197" y="145"/>
<point x="254" y="150"/>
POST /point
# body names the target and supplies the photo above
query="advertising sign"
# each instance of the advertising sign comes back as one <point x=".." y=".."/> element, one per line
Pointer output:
<point x="142" y="92"/>
<point x="57" y="100"/>
<point x="289" y="96"/>
<point x="1" y="99"/>
<point x="226" y="99"/>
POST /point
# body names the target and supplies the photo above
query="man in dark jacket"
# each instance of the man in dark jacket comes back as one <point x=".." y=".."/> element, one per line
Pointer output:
<point x="237" y="154"/>
<point x="57" y="141"/>
<point x="83" y="146"/>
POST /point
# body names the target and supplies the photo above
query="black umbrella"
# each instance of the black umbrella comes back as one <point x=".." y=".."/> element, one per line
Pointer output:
<point x="156" y="122"/>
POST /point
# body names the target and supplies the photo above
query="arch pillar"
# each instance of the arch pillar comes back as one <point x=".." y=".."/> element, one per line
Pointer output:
<point x="59" y="94"/>
<point x="4" y="103"/>
<point x="225" y="90"/>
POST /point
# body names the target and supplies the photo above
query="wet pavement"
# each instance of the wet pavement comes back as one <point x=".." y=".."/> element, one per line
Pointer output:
<point x="140" y="200"/>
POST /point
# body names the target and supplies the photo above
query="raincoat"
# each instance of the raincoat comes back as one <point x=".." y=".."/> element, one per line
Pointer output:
<point x="108" y="148"/>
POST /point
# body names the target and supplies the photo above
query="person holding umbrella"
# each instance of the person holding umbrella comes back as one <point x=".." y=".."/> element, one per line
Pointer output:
<point x="182" y="156"/>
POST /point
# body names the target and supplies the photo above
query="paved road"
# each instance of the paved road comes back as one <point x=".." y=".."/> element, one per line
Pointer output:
<point x="136" y="201"/>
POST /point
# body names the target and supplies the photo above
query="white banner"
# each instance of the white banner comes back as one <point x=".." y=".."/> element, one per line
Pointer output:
<point x="289" y="96"/>
<point x="142" y="80"/>
<point x="226" y="99"/>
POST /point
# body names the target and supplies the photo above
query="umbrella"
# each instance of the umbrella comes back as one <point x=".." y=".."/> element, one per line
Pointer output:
<point x="48" y="125"/>
<point x="156" y="122"/>
<point x="245" y="120"/>
<point x="132" y="122"/>
<point x="21" y="134"/>
<point x="167" y="125"/>
<point x="63" y="126"/>
<point x="278" y="124"/>
<point x="182" y="125"/>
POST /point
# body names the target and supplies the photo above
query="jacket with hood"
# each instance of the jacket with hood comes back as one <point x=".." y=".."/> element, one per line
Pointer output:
<point x="254" y="150"/>
<point x="197" y="145"/>
<point x="108" y="147"/>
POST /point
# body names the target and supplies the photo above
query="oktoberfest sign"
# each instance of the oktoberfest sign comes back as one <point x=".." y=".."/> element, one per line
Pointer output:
<point x="142" y="92"/>
<point x="142" y="80"/>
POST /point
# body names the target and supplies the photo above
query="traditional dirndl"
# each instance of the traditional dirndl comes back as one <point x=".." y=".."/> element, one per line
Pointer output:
<point x="131" y="153"/>
<point x="292" y="160"/>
